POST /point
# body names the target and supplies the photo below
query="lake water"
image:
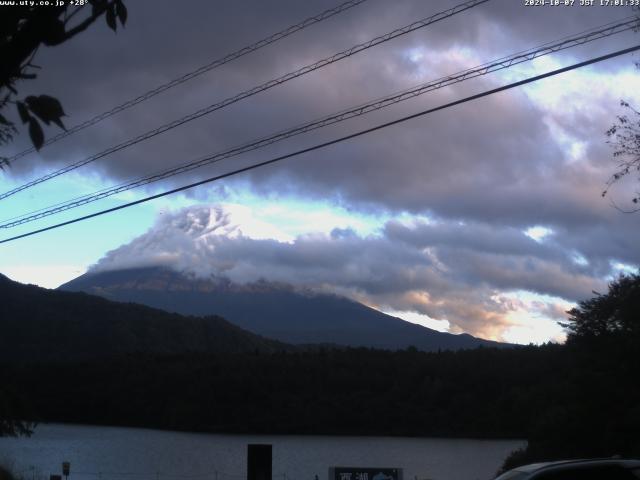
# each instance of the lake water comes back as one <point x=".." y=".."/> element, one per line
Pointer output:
<point x="110" y="453"/>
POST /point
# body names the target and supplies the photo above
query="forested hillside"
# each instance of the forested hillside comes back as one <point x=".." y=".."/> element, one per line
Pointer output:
<point x="39" y="325"/>
<point x="580" y="399"/>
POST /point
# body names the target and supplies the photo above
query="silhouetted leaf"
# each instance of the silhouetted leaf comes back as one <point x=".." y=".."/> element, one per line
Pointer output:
<point x="97" y="6"/>
<point x="4" y="121"/>
<point x="121" y="11"/>
<point x="23" y="112"/>
<point x="111" y="17"/>
<point x="36" y="134"/>
<point x="47" y="109"/>
<point x="53" y="32"/>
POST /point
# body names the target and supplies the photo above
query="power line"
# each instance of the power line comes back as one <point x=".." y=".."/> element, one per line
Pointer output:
<point x="496" y="65"/>
<point x="330" y="142"/>
<point x="197" y="72"/>
<point x="505" y="62"/>
<point x="253" y="91"/>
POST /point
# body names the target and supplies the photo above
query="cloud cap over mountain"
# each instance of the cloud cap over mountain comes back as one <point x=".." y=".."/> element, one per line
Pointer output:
<point x="479" y="279"/>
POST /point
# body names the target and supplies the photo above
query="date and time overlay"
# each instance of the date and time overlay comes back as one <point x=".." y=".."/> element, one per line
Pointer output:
<point x="526" y="3"/>
<point x="581" y="3"/>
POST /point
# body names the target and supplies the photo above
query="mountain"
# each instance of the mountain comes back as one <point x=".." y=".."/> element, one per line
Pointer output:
<point x="274" y="310"/>
<point x="49" y="325"/>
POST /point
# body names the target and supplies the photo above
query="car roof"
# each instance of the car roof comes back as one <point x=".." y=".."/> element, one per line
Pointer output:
<point x="534" y="467"/>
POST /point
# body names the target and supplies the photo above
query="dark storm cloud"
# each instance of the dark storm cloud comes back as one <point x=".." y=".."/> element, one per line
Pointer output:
<point x="165" y="39"/>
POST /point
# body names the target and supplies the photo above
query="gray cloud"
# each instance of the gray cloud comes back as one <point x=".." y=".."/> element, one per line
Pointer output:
<point x="162" y="41"/>
<point x="454" y="272"/>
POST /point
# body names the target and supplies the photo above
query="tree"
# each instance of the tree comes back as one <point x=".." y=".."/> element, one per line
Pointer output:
<point x="13" y="410"/>
<point x="624" y="136"/>
<point x="615" y="314"/>
<point x="23" y="29"/>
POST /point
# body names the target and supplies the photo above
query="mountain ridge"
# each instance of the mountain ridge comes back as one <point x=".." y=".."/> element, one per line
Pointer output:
<point x="274" y="310"/>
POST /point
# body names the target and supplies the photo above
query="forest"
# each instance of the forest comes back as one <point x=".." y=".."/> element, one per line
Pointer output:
<point x="579" y="399"/>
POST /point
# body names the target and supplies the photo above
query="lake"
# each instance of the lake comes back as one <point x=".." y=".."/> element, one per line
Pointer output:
<point x="112" y="453"/>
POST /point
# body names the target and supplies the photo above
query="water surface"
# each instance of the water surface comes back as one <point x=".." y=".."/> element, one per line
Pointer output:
<point x="112" y="453"/>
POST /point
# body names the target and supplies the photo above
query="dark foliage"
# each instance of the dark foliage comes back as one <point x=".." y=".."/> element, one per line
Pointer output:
<point x="39" y="325"/>
<point x="352" y="391"/>
<point x="47" y="325"/>
<point x="567" y="401"/>
<point x="23" y="29"/>
<point x="581" y="399"/>
<point x="14" y="408"/>
<point x="624" y="137"/>
<point x="6" y="474"/>
<point x="616" y="313"/>
<point x="600" y="412"/>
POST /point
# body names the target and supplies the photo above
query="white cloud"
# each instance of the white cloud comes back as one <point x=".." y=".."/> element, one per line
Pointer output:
<point x="538" y="233"/>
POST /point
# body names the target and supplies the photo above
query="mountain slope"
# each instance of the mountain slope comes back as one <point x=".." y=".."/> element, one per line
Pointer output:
<point x="40" y="324"/>
<point x="273" y="310"/>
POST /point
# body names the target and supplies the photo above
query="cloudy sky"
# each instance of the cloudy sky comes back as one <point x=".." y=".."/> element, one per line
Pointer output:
<point x="484" y="218"/>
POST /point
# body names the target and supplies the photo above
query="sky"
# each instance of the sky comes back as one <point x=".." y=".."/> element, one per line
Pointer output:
<point x="485" y="218"/>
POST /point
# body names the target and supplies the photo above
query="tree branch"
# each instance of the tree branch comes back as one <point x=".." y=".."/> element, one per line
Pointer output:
<point x="86" y="23"/>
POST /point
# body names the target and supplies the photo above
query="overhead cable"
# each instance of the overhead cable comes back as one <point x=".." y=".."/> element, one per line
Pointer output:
<point x="496" y="65"/>
<point x="328" y="143"/>
<point x="197" y="72"/>
<point x="253" y="91"/>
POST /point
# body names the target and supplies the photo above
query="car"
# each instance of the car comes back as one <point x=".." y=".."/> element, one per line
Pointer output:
<point x="591" y="469"/>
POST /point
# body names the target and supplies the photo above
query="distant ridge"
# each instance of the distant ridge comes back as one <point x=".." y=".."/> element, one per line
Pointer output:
<point x="273" y="310"/>
<point x="37" y="324"/>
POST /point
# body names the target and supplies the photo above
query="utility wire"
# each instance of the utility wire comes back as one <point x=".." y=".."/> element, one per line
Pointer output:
<point x="496" y="65"/>
<point x="331" y="142"/>
<point x="248" y="93"/>
<point x="199" y="71"/>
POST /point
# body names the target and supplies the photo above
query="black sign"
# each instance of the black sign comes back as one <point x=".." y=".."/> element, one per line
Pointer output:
<point x="259" y="458"/>
<point x="364" y="473"/>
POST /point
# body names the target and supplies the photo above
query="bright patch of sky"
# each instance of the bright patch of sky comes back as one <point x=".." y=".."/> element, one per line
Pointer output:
<point x="579" y="86"/>
<point x="538" y="232"/>
<point x="415" y="55"/>
<point x="421" y="319"/>
<point x="579" y="259"/>
<point x="48" y="276"/>
<point x="51" y="258"/>
<point x="542" y="331"/>
<point x="293" y="216"/>
<point x="533" y="317"/>
<point x="624" y="269"/>
<point x="559" y="96"/>
<point x="421" y="58"/>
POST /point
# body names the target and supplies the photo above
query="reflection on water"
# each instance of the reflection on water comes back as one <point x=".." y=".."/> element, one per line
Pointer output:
<point x="106" y="453"/>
